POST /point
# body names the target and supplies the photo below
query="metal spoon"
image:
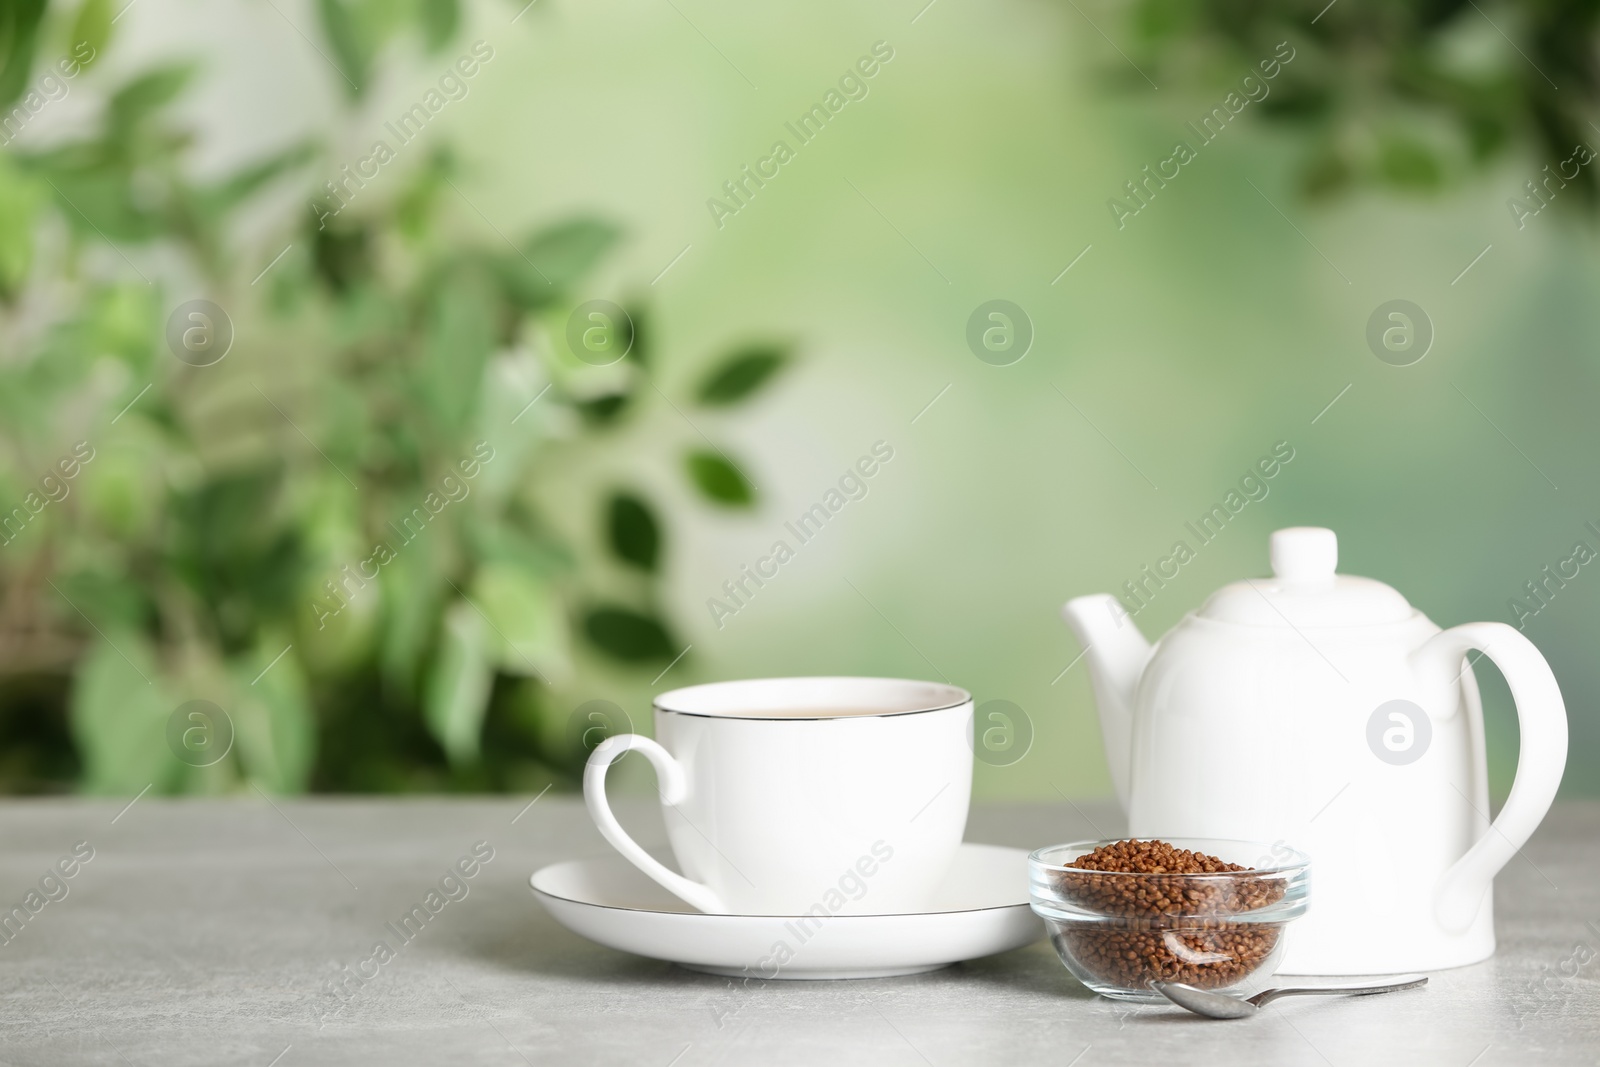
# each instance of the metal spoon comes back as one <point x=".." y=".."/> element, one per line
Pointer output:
<point x="1227" y="1006"/>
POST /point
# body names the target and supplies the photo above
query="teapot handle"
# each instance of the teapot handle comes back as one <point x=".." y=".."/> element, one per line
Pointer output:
<point x="1542" y="722"/>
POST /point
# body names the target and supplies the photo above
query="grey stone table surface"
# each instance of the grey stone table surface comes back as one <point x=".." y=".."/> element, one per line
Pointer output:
<point x="209" y="932"/>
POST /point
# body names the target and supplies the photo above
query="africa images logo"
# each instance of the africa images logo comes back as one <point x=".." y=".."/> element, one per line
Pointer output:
<point x="852" y="86"/>
<point x="453" y="886"/>
<point x="1141" y="190"/>
<point x="852" y="485"/>
<point x="453" y="85"/>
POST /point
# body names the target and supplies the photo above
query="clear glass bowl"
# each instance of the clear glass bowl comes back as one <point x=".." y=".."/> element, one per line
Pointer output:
<point x="1119" y="931"/>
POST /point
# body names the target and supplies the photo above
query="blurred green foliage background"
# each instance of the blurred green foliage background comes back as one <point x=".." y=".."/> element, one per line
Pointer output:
<point x="401" y="318"/>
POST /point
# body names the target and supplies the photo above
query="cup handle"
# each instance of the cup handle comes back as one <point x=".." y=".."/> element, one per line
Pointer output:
<point x="674" y="787"/>
<point x="1542" y="722"/>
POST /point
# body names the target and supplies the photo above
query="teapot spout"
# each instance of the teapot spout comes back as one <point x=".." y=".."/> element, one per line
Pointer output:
<point x="1117" y="653"/>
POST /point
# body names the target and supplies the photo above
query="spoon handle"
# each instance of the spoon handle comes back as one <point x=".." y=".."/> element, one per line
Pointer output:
<point x="1407" y="982"/>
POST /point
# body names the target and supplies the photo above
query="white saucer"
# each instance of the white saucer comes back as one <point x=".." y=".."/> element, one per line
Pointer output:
<point x="981" y="909"/>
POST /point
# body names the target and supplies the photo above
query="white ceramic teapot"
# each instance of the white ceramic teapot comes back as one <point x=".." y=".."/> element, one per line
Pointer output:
<point x="1324" y="712"/>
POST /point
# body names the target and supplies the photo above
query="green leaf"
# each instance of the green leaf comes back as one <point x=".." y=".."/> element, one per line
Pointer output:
<point x="457" y="694"/>
<point x="719" y="479"/>
<point x="628" y="635"/>
<point x="413" y="596"/>
<point x="342" y="255"/>
<point x="565" y="252"/>
<point x="350" y="48"/>
<point x="604" y="410"/>
<point x="119" y="719"/>
<point x="101" y="203"/>
<point x="144" y="96"/>
<point x="19" y="35"/>
<point x="114" y="601"/>
<point x="123" y="319"/>
<point x="19" y="206"/>
<point x="219" y="199"/>
<point x="123" y="495"/>
<point x="635" y="535"/>
<point x="1409" y="164"/>
<point x="1158" y="21"/>
<point x="90" y="32"/>
<point x="528" y="626"/>
<point x="1325" y="173"/>
<point x="518" y="541"/>
<point x="639" y="344"/>
<point x="416" y="206"/>
<point x="741" y="374"/>
<point x="230" y="544"/>
<point x="275" y="730"/>
<point x="460" y="336"/>
<point x="439" y="21"/>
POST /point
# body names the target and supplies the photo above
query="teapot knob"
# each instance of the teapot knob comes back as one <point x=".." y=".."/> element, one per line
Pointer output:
<point x="1304" y="555"/>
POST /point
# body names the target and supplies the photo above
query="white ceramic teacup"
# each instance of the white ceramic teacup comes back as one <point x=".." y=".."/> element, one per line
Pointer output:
<point x="784" y="796"/>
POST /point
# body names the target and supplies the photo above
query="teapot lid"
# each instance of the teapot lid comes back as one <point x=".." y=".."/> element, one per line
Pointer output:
<point x="1305" y="591"/>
